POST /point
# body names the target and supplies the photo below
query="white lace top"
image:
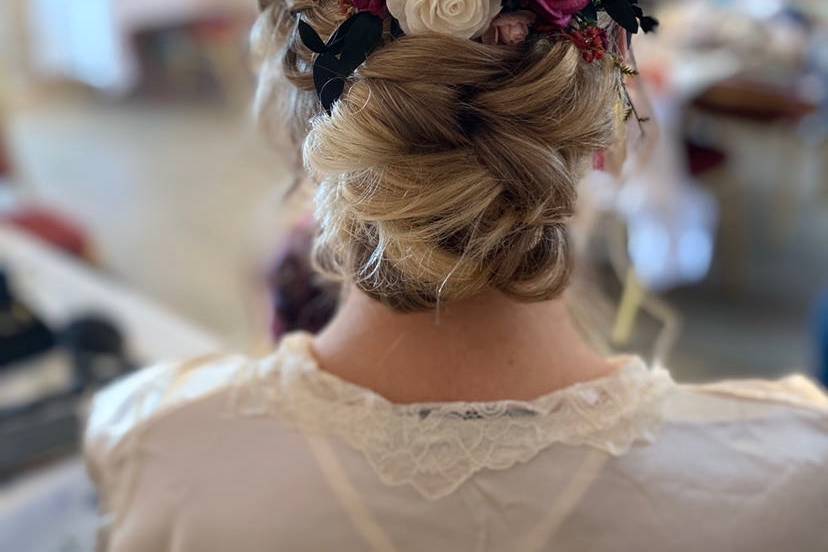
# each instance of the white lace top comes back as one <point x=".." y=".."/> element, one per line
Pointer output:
<point x="275" y="454"/>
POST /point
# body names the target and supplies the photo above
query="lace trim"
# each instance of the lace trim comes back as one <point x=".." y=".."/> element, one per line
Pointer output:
<point x="437" y="447"/>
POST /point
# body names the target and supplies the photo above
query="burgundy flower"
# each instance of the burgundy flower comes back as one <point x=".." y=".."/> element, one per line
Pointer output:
<point x="376" y="7"/>
<point x="592" y="42"/>
<point x="559" y="12"/>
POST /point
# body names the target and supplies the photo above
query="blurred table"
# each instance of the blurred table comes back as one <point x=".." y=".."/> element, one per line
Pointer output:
<point x="756" y="101"/>
<point x="53" y="508"/>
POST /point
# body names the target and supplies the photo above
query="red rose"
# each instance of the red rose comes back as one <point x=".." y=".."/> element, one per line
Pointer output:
<point x="559" y="12"/>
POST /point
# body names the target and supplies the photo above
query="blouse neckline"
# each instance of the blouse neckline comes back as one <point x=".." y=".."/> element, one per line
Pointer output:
<point x="437" y="446"/>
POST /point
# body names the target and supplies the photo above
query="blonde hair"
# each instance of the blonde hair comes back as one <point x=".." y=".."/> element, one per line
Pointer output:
<point x="448" y="167"/>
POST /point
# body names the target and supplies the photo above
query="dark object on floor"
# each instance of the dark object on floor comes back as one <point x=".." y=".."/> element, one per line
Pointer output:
<point x="44" y="433"/>
<point x="22" y="334"/>
<point x="50" y="427"/>
<point x="60" y="370"/>
<point x="97" y="349"/>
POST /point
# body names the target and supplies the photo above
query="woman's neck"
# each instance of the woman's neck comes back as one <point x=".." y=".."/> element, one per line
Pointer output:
<point x="485" y="349"/>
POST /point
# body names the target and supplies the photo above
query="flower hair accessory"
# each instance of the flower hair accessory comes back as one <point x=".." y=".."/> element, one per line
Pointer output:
<point x="346" y="49"/>
<point x="458" y="18"/>
<point x="498" y="22"/>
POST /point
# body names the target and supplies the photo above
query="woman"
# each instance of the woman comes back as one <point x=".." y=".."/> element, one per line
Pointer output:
<point x="451" y="405"/>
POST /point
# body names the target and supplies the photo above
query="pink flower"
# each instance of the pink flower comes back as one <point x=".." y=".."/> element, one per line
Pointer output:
<point x="377" y="7"/>
<point x="560" y="12"/>
<point x="510" y="28"/>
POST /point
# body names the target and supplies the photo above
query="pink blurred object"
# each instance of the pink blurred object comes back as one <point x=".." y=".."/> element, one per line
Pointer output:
<point x="5" y="161"/>
<point x="53" y="228"/>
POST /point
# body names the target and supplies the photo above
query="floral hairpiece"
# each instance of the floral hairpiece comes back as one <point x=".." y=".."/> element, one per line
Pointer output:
<point x="506" y="22"/>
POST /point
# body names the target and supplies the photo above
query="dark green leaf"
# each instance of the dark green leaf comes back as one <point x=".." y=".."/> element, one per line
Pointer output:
<point x="361" y="39"/>
<point x="622" y="12"/>
<point x="328" y="79"/>
<point x="590" y="13"/>
<point x="336" y="43"/>
<point x="649" y="24"/>
<point x="310" y="38"/>
<point x="396" y="30"/>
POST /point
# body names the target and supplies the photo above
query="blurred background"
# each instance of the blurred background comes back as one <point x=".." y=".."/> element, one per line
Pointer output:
<point x="143" y="216"/>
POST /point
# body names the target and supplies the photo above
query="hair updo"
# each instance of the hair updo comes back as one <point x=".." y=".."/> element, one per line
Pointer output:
<point x="448" y="167"/>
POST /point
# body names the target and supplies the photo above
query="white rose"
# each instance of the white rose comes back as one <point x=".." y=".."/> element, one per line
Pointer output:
<point x="460" y="18"/>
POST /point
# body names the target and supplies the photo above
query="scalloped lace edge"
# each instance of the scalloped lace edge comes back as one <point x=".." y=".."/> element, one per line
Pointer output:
<point x="437" y="447"/>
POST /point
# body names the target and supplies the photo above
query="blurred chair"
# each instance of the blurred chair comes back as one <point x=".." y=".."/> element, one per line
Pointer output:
<point x="635" y="298"/>
<point x="776" y="114"/>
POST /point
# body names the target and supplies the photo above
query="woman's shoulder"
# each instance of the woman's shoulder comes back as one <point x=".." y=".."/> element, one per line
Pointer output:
<point x="785" y="419"/>
<point x="144" y="397"/>
<point x="766" y="441"/>
<point x="796" y="390"/>
<point x="140" y="422"/>
<point x="137" y="404"/>
<point x="747" y="398"/>
<point x="140" y="399"/>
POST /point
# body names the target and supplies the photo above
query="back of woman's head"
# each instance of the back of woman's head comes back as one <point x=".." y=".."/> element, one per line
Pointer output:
<point x="448" y="167"/>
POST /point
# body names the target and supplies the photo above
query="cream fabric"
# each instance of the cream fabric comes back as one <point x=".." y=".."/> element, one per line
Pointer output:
<point x="246" y="455"/>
